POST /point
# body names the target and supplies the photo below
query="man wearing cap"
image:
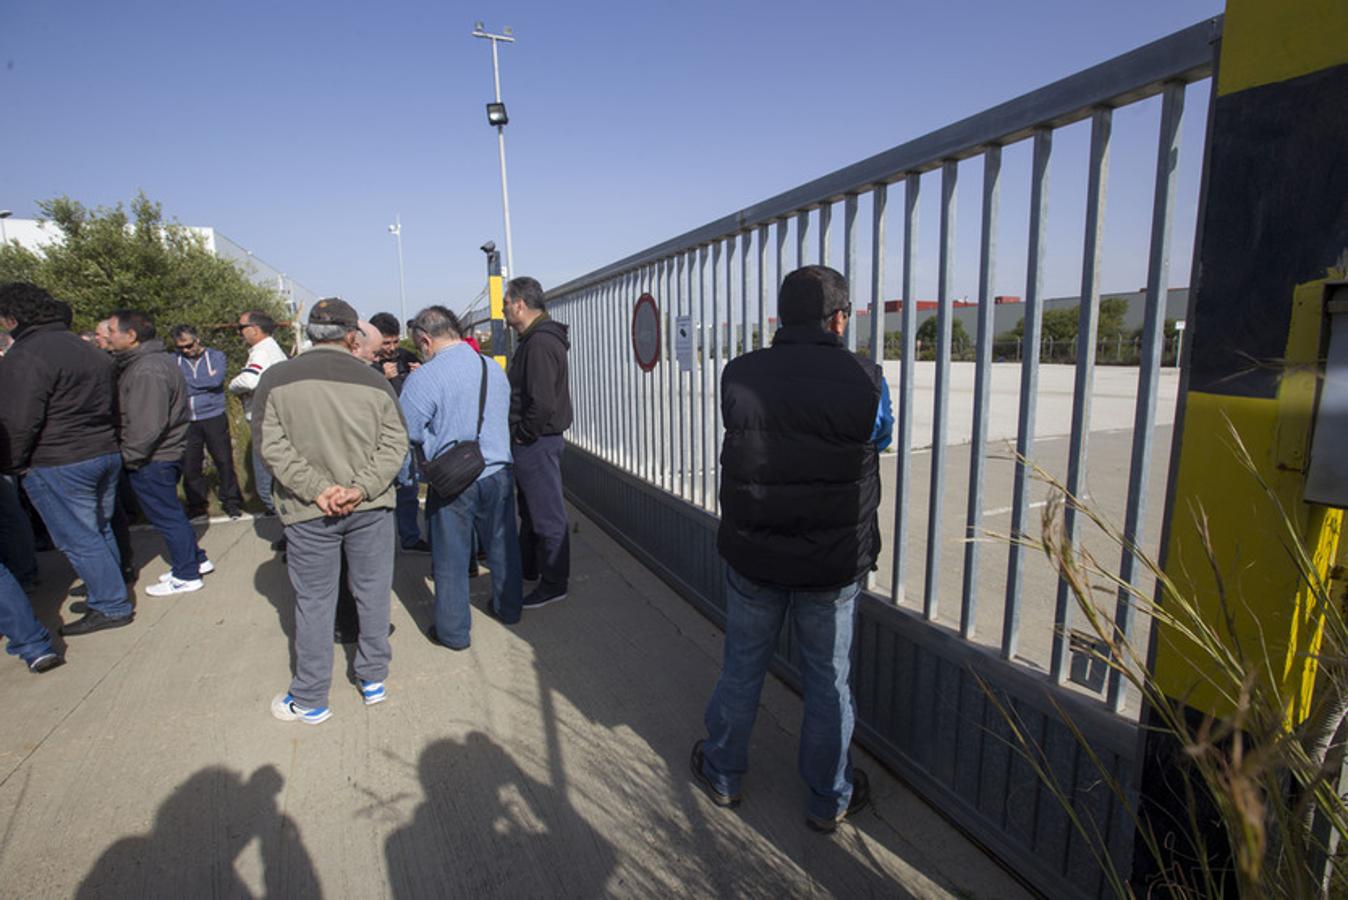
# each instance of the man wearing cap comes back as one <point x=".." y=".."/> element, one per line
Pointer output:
<point x="805" y="422"/>
<point x="329" y="429"/>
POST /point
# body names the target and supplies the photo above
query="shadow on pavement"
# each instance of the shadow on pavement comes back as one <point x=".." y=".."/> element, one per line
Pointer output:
<point x="199" y="833"/>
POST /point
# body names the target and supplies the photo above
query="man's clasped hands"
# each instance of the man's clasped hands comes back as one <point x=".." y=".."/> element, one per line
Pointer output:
<point x="338" y="501"/>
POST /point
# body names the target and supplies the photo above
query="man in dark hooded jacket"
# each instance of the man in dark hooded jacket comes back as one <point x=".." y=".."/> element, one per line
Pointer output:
<point x="540" y="410"/>
<point x="152" y="395"/>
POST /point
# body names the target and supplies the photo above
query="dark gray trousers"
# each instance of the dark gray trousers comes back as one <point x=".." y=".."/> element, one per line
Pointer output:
<point x="545" y="540"/>
<point x="314" y="557"/>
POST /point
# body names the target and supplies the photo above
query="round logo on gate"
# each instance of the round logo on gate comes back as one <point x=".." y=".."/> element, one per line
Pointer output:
<point x="646" y="332"/>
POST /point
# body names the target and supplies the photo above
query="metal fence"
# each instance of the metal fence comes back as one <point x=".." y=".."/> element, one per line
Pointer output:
<point x="717" y="285"/>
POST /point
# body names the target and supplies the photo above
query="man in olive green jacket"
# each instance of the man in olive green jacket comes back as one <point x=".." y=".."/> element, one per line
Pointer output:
<point x="333" y="437"/>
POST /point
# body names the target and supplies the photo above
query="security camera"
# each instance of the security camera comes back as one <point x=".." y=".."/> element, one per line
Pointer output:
<point x="489" y="247"/>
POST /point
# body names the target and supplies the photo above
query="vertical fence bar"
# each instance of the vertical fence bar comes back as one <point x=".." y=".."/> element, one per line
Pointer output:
<point x="721" y="360"/>
<point x="762" y="286"/>
<point x="647" y="386"/>
<point x="1088" y="325"/>
<point x="1029" y="386"/>
<point x="1153" y="328"/>
<point x="600" y="390"/>
<point x="680" y="420"/>
<point x="850" y="267"/>
<point x="825" y="232"/>
<point x="699" y="390"/>
<point x="662" y="440"/>
<point x="746" y="329"/>
<point x="585" y="344"/>
<point x="622" y="371"/>
<point x="987" y="270"/>
<point x="941" y="402"/>
<point x="731" y="328"/>
<point x="611" y="374"/>
<point x="911" y="186"/>
<point x="711" y="358"/>
<point x="802" y="236"/>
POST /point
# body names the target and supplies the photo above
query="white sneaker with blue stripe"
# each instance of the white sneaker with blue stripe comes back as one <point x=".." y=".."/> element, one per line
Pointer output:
<point x="284" y="707"/>
<point x="372" y="692"/>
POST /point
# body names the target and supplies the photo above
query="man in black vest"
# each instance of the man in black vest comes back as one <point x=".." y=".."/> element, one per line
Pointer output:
<point x="805" y="422"/>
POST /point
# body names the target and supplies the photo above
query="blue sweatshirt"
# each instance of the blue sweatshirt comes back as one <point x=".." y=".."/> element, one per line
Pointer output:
<point x="205" y="383"/>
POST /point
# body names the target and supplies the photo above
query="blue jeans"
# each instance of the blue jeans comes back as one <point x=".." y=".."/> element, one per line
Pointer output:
<point x="156" y="487"/>
<point x="407" y="510"/>
<point x="17" y="551"/>
<point x="262" y="480"/>
<point x="27" y="638"/>
<point x="822" y="623"/>
<point x="76" y="502"/>
<point x="487" y="507"/>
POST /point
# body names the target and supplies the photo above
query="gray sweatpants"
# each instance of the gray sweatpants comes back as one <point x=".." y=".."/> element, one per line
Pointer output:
<point x="314" y="552"/>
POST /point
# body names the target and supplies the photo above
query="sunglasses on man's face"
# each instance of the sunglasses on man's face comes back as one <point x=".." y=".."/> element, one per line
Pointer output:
<point x="188" y="346"/>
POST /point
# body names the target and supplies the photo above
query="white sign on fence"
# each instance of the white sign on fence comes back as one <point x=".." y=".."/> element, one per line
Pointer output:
<point x="683" y="342"/>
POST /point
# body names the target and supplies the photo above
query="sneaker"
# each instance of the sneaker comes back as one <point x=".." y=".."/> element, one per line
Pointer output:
<point x="725" y="801"/>
<point x="284" y="707"/>
<point x="279" y="546"/>
<point x="174" y="586"/>
<point x="541" y="596"/>
<point x="419" y="547"/>
<point x="205" y="568"/>
<point x="92" y="621"/>
<point x="234" y="512"/>
<point x="861" y="798"/>
<point x="45" y="663"/>
<point x="372" y="692"/>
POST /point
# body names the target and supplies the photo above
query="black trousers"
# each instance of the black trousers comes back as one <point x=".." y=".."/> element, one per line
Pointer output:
<point x="213" y="434"/>
<point x="545" y="540"/>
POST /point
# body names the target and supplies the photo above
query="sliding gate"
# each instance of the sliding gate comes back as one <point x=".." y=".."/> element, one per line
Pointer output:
<point x="962" y="629"/>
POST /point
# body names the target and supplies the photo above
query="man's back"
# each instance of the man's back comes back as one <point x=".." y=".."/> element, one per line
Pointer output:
<point x="59" y="399"/>
<point x="800" y="477"/>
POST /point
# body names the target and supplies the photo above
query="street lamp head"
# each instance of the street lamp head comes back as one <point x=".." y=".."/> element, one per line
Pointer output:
<point x="488" y="248"/>
<point x="478" y="28"/>
<point x="507" y="30"/>
<point x="6" y="213"/>
<point x="496" y="114"/>
<point x="395" y="229"/>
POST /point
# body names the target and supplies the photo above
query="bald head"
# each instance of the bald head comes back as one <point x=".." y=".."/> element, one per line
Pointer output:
<point x="370" y="339"/>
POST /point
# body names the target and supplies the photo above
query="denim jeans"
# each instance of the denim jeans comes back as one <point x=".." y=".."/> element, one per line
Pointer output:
<point x="76" y="502"/>
<point x="408" y="510"/>
<point x="262" y="480"/>
<point x="487" y="508"/>
<point x="27" y="638"/>
<point x="17" y="551"/>
<point x="822" y="624"/>
<point x="156" y="487"/>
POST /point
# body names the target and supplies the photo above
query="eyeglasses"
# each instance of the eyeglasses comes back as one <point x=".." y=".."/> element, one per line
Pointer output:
<point x="240" y="328"/>
<point x="188" y="346"/>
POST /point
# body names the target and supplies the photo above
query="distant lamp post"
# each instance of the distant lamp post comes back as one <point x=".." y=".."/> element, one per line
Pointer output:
<point x="497" y="118"/>
<point x="396" y="229"/>
<point x="6" y="213"/>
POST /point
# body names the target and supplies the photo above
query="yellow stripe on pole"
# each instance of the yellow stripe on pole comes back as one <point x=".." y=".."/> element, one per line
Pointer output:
<point x="1267" y="41"/>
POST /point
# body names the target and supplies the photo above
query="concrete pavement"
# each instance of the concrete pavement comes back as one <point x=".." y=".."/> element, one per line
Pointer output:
<point x="550" y="759"/>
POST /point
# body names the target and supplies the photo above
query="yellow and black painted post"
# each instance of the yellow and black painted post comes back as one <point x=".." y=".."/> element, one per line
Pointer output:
<point x="1272" y="238"/>
<point x="500" y="345"/>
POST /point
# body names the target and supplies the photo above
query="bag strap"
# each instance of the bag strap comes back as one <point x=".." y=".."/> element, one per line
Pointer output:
<point x="481" y="397"/>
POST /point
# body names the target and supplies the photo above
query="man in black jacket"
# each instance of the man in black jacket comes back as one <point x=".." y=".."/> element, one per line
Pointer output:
<point x="540" y="410"/>
<point x="155" y="417"/>
<point x="59" y="421"/>
<point x="805" y="422"/>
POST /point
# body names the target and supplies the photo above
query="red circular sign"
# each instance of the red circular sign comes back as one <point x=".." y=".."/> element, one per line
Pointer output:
<point x="646" y="332"/>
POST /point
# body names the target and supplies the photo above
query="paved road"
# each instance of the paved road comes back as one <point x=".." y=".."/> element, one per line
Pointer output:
<point x="548" y="760"/>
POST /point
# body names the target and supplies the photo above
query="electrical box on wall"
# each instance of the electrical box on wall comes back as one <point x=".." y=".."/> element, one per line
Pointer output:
<point x="1327" y="474"/>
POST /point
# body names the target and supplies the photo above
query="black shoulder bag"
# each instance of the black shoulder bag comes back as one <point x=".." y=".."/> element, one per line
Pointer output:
<point x="459" y="465"/>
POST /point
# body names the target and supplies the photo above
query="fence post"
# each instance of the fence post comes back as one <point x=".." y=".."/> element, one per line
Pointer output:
<point x="1271" y="231"/>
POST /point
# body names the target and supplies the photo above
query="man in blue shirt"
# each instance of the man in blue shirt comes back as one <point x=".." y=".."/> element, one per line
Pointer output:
<point x="440" y="401"/>
<point x="204" y="369"/>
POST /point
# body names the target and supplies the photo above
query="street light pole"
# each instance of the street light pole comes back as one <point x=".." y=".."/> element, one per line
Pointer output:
<point x="4" y="214"/>
<point x="396" y="229"/>
<point x="500" y="124"/>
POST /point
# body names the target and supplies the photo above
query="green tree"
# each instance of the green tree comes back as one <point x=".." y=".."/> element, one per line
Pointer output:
<point x="960" y="342"/>
<point x="109" y="259"/>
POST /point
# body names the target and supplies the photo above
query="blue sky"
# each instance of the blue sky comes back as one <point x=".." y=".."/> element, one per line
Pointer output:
<point x="299" y="129"/>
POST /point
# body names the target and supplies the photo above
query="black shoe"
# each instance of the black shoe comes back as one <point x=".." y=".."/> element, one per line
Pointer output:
<point x="725" y="801"/>
<point x="45" y="663"/>
<point x="420" y="546"/>
<point x="234" y="513"/>
<point x="79" y="590"/>
<point x="861" y="798"/>
<point x="542" y="595"/>
<point x="435" y="639"/>
<point x="93" y="621"/>
<point x="279" y="546"/>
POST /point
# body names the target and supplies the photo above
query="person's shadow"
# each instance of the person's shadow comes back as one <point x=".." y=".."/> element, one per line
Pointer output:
<point x="486" y="828"/>
<point x="198" y="833"/>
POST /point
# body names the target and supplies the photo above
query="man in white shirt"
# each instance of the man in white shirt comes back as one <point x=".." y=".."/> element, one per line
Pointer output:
<point x="256" y="327"/>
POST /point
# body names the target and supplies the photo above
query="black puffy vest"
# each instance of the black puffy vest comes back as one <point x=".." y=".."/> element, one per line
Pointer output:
<point x="800" y="478"/>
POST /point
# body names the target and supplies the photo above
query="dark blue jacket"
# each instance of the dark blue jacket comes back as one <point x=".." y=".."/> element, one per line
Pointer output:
<point x="205" y="378"/>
